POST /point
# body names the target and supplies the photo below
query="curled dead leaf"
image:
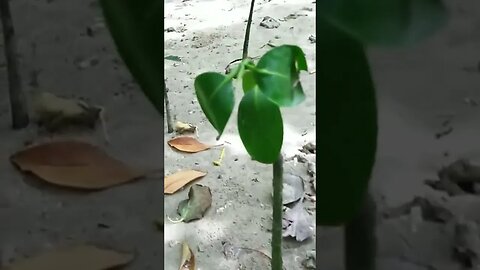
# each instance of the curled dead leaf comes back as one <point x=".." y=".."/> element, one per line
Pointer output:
<point x="293" y="188"/>
<point x="52" y="111"/>
<point x="74" y="164"/>
<point x="297" y="223"/>
<point x="182" y="128"/>
<point x="55" y="113"/>
<point x="188" y="259"/>
<point x="74" y="258"/>
<point x="198" y="202"/>
<point x="178" y="180"/>
<point x="187" y="144"/>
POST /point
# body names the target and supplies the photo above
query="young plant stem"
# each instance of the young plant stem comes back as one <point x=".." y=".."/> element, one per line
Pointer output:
<point x="18" y="104"/>
<point x="167" y="110"/>
<point x="360" y="240"/>
<point x="277" y="262"/>
<point x="247" y="31"/>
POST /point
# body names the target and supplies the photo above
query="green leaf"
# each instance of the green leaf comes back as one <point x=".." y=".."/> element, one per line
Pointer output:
<point x="137" y="30"/>
<point x="277" y="75"/>
<point x="301" y="62"/>
<point x="386" y="22"/>
<point x="173" y="58"/>
<point x="298" y="94"/>
<point x="260" y="126"/>
<point x="248" y="81"/>
<point x="215" y="95"/>
<point x="347" y="125"/>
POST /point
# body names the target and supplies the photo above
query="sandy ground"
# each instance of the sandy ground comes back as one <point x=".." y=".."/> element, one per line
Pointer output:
<point x="209" y="34"/>
<point x="37" y="217"/>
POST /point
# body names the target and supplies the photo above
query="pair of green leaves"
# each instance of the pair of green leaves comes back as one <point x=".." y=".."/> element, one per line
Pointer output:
<point x="272" y="83"/>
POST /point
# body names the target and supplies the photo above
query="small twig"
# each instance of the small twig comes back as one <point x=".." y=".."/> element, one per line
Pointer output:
<point x="218" y="162"/>
<point x="103" y="123"/>
<point x="443" y="133"/>
<point x="167" y="110"/>
<point x="217" y="145"/>
<point x="34" y="72"/>
<point x="247" y="31"/>
<point x="227" y="68"/>
<point x="268" y="44"/>
<point x="18" y="104"/>
<point x="417" y="263"/>
<point x="277" y="262"/>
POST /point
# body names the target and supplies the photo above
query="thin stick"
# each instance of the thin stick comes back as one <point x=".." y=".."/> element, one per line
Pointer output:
<point x="247" y="31"/>
<point x="167" y="110"/>
<point x="18" y="104"/>
<point x="277" y="262"/>
<point x="103" y="123"/>
<point x="227" y="68"/>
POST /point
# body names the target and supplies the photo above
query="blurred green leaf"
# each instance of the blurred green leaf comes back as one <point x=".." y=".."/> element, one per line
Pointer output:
<point x="298" y="94"/>
<point x="300" y="61"/>
<point x="277" y="74"/>
<point x="347" y="125"/>
<point x="216" y="97"/>
<point x="173" y="58"/>
<point x="260" y="126"/>
<point x="137" y="30"/>
<point x="385" y="22"/>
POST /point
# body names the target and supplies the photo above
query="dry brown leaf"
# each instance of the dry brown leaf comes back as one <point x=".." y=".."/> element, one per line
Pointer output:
<point x="74" y="258"/>
<point x="187" y="144"/>
<point x="74" y="164"/>
<point x="178" y="180"/>
<point x="188" y="259"/>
